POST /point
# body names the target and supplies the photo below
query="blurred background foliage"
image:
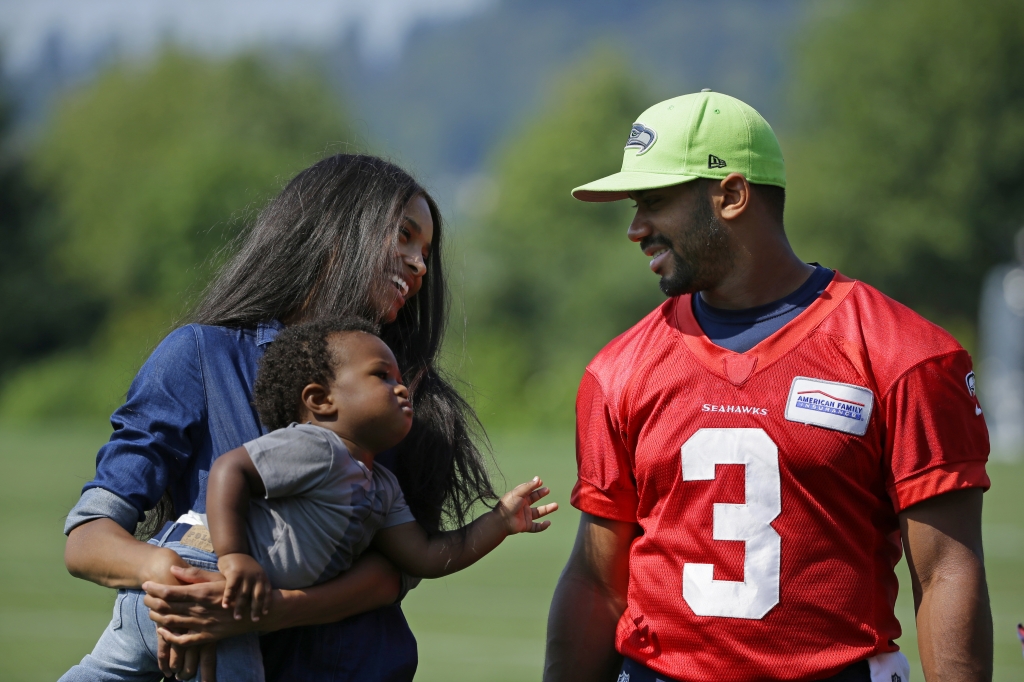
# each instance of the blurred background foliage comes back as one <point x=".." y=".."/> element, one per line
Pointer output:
<point x="905" y="148"/>
<point x="549" y="280"/>
<point x="902" y="123"/>
<point x="136" y="184"/>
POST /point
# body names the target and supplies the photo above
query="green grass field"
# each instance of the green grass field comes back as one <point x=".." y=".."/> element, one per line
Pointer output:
<point x="484" y="623"/>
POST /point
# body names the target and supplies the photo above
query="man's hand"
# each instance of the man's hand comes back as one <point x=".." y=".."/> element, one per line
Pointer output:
<point x="248" y="588"/>
<point x="516" y="508"/>
<point x="942" y="538"/>
<point x="588" y="601"/>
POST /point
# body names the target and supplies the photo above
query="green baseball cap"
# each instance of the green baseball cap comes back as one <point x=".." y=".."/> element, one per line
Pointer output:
<point x="701" y="135"/>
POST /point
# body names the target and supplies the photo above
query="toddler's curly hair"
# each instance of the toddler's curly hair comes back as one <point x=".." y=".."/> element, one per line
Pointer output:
<point x="298" y="357"/>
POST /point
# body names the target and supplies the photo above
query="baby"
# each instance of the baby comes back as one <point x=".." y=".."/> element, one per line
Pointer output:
<point x="296" y="506"/>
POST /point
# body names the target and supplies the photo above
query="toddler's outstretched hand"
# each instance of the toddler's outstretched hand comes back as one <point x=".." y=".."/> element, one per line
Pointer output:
<point x="248" y="587"/>
<point x="517" y="512"/>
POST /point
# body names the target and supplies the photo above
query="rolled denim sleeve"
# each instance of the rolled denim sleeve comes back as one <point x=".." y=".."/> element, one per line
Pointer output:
<point x="154" y="432"/>
<point x="97" y="503"/>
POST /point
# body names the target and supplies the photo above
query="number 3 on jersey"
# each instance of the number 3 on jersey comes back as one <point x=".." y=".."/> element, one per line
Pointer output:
<point x="750" y="522"/>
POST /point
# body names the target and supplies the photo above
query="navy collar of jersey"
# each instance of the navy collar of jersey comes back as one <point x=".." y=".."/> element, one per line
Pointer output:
<point x="804" y="295"/>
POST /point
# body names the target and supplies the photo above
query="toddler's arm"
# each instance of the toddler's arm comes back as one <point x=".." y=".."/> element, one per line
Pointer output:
<point x="418" y="554"/>
<point x="233" y="480"/>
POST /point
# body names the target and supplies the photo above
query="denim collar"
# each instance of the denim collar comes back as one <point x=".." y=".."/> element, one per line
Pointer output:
<point x="266" y="332"/>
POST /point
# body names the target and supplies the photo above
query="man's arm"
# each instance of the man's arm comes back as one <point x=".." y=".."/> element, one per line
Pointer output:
<point x="942" y="538"/>
<point x="588" y="601"/>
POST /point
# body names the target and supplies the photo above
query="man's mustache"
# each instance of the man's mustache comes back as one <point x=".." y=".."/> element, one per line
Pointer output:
<point x="656" y="240"/>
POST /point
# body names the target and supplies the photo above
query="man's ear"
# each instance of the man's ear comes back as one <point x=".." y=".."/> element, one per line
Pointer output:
<point x="732" y="196"/>
<point x="318" y="401"/>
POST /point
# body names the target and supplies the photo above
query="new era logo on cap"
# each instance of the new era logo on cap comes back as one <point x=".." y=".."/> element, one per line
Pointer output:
<point x="641" y="138"/>
<point x="715" y="162"/>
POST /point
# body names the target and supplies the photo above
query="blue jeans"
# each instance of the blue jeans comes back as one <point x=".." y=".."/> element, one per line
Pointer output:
<point x="126" y="651"/>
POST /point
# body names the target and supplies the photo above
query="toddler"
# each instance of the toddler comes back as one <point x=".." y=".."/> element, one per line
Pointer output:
<point x="296" y="506"/>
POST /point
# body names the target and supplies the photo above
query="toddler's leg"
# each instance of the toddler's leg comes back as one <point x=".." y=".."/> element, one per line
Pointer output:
<point x="126" y="650"/>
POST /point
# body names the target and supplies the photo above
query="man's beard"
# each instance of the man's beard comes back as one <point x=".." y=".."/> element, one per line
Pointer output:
<point x="700" y="257"/>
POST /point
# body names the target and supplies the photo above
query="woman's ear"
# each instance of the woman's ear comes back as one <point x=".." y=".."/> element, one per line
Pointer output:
<point x="317" y="400"/>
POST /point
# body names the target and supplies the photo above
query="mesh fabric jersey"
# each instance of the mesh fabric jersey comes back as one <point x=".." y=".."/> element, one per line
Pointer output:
<point x="769" y="540"/>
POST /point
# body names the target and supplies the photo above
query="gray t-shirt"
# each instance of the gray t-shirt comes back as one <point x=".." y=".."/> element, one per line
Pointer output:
<point x="323" y="506"/>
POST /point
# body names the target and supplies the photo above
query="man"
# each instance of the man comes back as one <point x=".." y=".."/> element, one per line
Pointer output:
<point x="752" y="453"/>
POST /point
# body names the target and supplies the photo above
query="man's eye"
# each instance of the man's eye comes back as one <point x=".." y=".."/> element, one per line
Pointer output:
<point x="636" y="205"/>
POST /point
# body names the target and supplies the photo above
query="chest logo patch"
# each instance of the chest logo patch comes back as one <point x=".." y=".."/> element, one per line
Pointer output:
<point x="830" y="405"/>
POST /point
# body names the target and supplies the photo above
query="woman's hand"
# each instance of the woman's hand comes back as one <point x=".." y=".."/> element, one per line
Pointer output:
<point x="189" y="621"/>
<point x="191" y="613"/>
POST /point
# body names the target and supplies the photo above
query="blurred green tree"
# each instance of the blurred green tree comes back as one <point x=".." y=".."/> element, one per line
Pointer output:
<point x="152" y="170"/>
<point x="42" y="311"/>
<point x="550" y="280"/>
<point x="906" y="149"/>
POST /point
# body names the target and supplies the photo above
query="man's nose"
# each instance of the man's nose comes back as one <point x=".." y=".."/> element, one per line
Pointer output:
<point x="638" y="229"/>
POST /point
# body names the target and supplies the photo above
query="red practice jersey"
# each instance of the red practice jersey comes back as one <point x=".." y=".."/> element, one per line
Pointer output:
<point x="768" y="483"/>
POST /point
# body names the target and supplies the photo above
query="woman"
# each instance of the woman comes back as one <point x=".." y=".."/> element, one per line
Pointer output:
<point x="352" y="234"/>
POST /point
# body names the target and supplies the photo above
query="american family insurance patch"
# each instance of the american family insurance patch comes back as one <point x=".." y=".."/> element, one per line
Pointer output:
<point x="830" y="405"/>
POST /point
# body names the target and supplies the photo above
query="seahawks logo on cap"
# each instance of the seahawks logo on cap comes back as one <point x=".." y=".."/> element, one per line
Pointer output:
<point x="641" y="138"/>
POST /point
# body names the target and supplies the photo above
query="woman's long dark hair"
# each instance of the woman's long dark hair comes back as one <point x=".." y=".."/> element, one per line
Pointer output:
<point x="326" y="246"/>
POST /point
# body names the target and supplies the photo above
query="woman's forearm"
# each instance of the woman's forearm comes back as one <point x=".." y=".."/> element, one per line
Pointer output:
<point x="103" y="552"/>
<point x="371" y="583"/>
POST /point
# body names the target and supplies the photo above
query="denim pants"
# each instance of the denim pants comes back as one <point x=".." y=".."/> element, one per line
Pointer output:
<point x="126" y="651"/>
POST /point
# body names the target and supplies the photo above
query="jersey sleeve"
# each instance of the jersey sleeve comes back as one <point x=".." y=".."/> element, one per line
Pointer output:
<point x="936" y="437"/>
<point x="605" y="486"/>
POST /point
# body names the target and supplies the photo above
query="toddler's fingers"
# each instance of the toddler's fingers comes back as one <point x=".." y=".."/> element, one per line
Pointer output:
<point x="230" y="592"/>
<point x="544" y="510"/>
<point x="523" y="489"/>
<point x="242" y="603"/>
<point x="537" y="494"/>
<point x="268" y="599"/>
<point x="259" y="592"/>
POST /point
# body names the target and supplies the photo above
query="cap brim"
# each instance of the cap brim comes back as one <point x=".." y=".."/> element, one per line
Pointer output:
<point x="619" y="185"/>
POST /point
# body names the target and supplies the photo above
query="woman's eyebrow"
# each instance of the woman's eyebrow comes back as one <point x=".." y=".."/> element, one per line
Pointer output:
<point x="416" y="226"/>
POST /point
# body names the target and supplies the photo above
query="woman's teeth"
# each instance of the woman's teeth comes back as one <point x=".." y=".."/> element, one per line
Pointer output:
<point x="403" y="288"/>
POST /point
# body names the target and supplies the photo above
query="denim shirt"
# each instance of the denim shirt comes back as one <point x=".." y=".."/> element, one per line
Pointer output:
<point x="190" y="403"/>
